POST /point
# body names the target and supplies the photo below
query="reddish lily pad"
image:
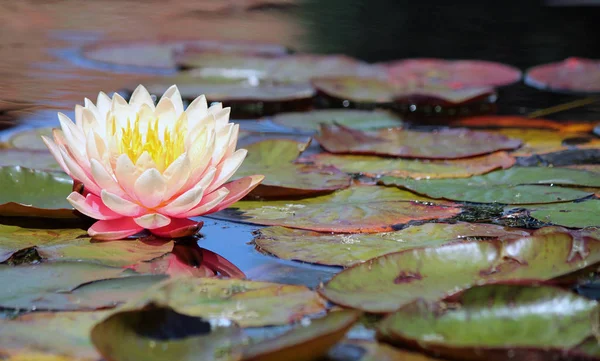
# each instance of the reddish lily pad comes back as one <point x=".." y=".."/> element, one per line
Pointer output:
<point x="50" y="336"/>
<point x="571" y="75"/>
<point x="386" y="283"/>
<point x="521" y="122"/>
<point x="359" y="209"/>
<point x="443" y="144"/>
<point x="356" y="119"/>
<point x="274" y="158"/>
<point x="159" y="333"/>
<point x="33" y="193"/>
<point x="374" y="166"/>
<point x="29" y="159"/>
<point x="452" y="74"/>
<point x="499" y="322"/>
<point x="517" y="185"/>
<point x="30" y="139"/>
<point x="304" y="67"/>
<point x="349" y="249"/>
<point x="574" y="215"/>
<point x="542" y="141"/>
<point x="248" y="303"/>
<point x="310" y="342"/>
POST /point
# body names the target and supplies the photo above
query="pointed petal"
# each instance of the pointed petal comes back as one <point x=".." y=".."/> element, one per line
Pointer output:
<point x="184" y="202"/>
<point x="150" y="188"/>
<point x="221" y="143"/>
<point x="104" y="180"/>
<point x="173" y="94"/>
<point x="228" y="168"/>
<point x="77" y="173"/>
<point x="222" y="117"/>
<point x="176" y="175"/>
<point x="208" y="202"/>
<point x="114" y="229"/>
<point x="196" y="111"/>
<point x="152" y="221"/>
<point x="141" y="96"/>
<point x="120" y="205"/>
<point x="126" y="174"/>
<point x="167" y="116"/>
<point x="92" y="206"/>
<point x="144" y="162"/>
<point x="238" y="190"/>
<point x="179" y="227"/>
<point x="53" y="148"/>
<point x="103" y="104"/>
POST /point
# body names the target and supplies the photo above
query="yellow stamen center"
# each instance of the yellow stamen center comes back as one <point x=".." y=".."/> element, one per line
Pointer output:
<point x="134" y="142"/>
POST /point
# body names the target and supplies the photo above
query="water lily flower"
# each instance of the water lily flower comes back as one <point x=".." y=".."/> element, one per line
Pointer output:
<point x="147" y="166"/>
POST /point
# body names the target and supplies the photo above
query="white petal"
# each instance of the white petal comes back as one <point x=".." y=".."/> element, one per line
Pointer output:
<point x="150" y="188"/>
<point x="209" y="202"/>
<point x="152" y="220"/>
<point x="228" y="168"/>
<point x="104" y="180"/>
<point x="144" y="162"/>
<point x="222" y="117"/>
<point x="222" y="143"/>
<point x="197" y="111"/>
<point x="90" y="123"/>
<point x="173" y="94"/>
<point x="103" y="104"/>
<point x="126" y="173"/>
<point x="76" y="172"/>
<point x="141" y="96"/>
<point x="176" y="175"/>
<point x="53" y="148"/>
<point x="184" y="202"/>
<point x="120" y="205"/>
<point x="167" y="116"/>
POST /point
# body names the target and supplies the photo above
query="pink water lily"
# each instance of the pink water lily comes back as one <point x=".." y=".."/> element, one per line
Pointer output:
<point x="147" y="166"/>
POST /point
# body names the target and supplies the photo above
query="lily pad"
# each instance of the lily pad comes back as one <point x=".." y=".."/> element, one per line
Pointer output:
<point x="386" y="283"/>
<point x="356" y="119"/>
<point x="248" y="303"/>
<point x="30" y="139"/>
<point x="73" y="244"/>
<point x="361" y="90"/>
<point x="361" y="350"/>
<point x="359" y="209"/>
<point x="543" y="141"/>
<point x="59" y="336"/>
<point x="521" y="122"/>
<point x="443" y="144"/>
<point x="305" y="67"/>
<point x="33" y="193"/>
<point x="349" y="249"/>
<point x="29" y="159"/>
<point x="274" y="158"/>
<point x="374" y="166"/>
<point x="310" y="342"/>
<point x="25" y="286"/>
<point x="517" y="185"/>
<point x="498" y="321"/>
<point x="574" y="215"/>
<point x="571" y="75"/>
<point x="159" y="333"/>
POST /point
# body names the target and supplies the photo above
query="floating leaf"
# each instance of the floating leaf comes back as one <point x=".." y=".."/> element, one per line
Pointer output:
<point x="362" y="90"/>
<point x="73" y="244"/>
<point x="159" y="333"/>
<point x="30" y="139"/>
<point x="452" y="74"/>
<point x="249" y="303"/>
<point x="274" y="157"/>
<point x="572" y="74"/>
<point x="32" y="193"/>
<point x="374" y="166"/>
<point x="542" y="141"/>
<point x="26" y="286"/>
<point x="360" y="209"/>
<point x="389" y="282"/>
<point x="302" y="343"/>
<point x="356" y="119"/>
<point x="29" y="159"/>
<point x="498" y="322"/>
<point x="521" y="122"/>
<point x="575" y="215"/>
<point x="51" y="336"/>
<point x="372" y="351"/>
<point x="349" y="249"/>
<point x="443" y="144"/>
<point x="517" y="185"/>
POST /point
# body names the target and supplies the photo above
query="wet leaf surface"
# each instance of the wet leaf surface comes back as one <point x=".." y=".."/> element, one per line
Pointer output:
<point x="159" y="333"/>
<point x="29" y="159"/>
<point x="30" y="139"/>
<point x="517" y="185"/>
<point x="521" y="122"/>
<point x="32" y="193"/>
<point x="349" y="249"/>
<point x="443" y="144"/>
<point x="495" y="322"/>
<point x="50" y="336"/>
<point x="356" y="119"/>
<point x="274" y="158"/>
<point x="304" y="342"/>
<point x="359" y="350"/>
<point x="362" y="90"/>
<point x="574" y="215"/>
<point x="543" y="141"/>
<point x="572" y="74"/>
<point x="359" y="209"/>
<point x="248" y="303"/>
<point x="414" y="168"/>
<point x="386" y="283"/>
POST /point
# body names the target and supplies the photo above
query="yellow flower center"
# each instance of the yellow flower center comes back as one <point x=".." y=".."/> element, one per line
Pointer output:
<point x="163" y="150"/>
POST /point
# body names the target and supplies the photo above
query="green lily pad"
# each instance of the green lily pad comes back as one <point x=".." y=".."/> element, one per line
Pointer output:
<point x="356" y="119"/>
<point x="517" y="185"/>
<point x="248" y="303"/>
<point x="359" y="209"/>
<point x="26" y="286"/>
<point x="349" y="249"/>
<point x="33" y="193"/>
<point x="574" y="215"/>
<point x="56" y="336"/>
<point x="159" y="333"/>
<point x="515" y="321"/>
<point x="274" y="158"/>
<point x="30" y="139"/>
<point x="386" y="283"/>
<point x="309" y="342"/>
<point x="414" y="168"/>
<point x="398" y="142"/>
<point x="29" y="159"/>
<point x="72" y="244"/>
